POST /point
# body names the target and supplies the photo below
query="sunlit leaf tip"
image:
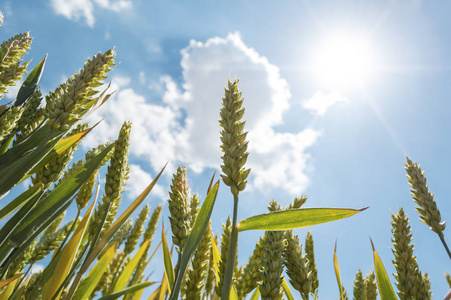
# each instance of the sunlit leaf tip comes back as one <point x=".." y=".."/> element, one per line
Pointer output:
<point x="211" y="182"/>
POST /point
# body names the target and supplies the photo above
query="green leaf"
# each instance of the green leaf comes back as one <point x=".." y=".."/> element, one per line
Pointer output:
<point x="256" y="294"/>
<point x="123" y="279"/>
<point x="47" y="207"/>
<point x="168" y="267"/>
<point x="8" y="291"/>
<point x="287" y="290"/>
<point x="29" y="239"/>
<point x="30" y="142"/>
<point x="383" y="282"/>
<point x="88" y="285"/>
<point x="216" y="255"/>
<point x="233" y="293"/>
<point x="126" y="291"/>
<point x="67" y="257"/>
<point x="13" y="173"/>
<point x="9" y="280"/>
<point x="109" y="234"/>
<point x="30" y="83"/>
<point x="11" y="225"/>
<point x="295" y="218"/>
<point x="200" y="225"/>
<point x="6" y="144"/>
<point x="62" y="146"/>
<point x="21" y="200"/>
<point x="337" y="273"/>
<point x="164" y="287"/>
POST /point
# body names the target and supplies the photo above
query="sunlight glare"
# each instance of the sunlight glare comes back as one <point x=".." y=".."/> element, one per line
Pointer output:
<point x="343" y="61"/>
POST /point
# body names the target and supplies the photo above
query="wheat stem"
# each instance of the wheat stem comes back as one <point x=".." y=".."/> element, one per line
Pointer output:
<point x="231" y="255"/>
<point x="442" y="238"/>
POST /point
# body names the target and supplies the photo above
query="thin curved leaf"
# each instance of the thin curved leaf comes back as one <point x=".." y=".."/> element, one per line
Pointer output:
<point x="216" y="255"/>
<point x="21" y="200"/>
<point x="9" y="280"/>
<point x="256" y="294"/>
<point x="164" y="287"/>
<point x="27" y="144"/>
<point x="88" y="285"/>
<point x="287" y="290"/>
<point x="337" y="273"/>
<point x="200" y="225"/>
<point x="63" y="145"/>
<point x="295" y="218"/>
<point x="48" y="207"/>
<point x="30" y="84"/>
<point x="126" y="291"/>
<point x="67" y="257"/>
<point x="168" y="267"/>
<point x="8" y="291"/>
<point x="6" y="144"/>
<point x="123" y="279"/>
<point x="13" y="172"/>
<point x="383" y="282"/>
<point x="233" y="293"/>
<point x="110" y="232"/>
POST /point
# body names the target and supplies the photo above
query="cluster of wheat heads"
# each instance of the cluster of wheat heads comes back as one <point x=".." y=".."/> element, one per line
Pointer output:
<point x="91" y="255"/>
<point x="100" y="255"/>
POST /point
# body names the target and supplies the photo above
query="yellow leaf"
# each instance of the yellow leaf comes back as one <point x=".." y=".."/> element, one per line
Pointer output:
<point x="67" y="258"/>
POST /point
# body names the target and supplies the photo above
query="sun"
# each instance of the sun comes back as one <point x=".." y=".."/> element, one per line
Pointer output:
<point x="343" y="61"/>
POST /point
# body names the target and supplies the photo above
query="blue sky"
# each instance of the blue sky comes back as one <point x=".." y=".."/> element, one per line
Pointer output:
<point x="342" y="144"/>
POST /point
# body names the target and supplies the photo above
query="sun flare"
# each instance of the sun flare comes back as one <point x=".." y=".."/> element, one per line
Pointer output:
<point x="343" y="61"/>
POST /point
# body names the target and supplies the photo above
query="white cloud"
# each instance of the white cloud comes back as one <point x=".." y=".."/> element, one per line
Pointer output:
<point x="139" y="180"/>
<point x="84" y="9"/>
<point x="321" y="102"/>
<point x="13" y="90"/>
<point x="37" y="268"/>
<point x="184" y="128"/>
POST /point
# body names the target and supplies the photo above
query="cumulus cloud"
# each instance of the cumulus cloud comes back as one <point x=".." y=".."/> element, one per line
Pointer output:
<point x="139" y="180"/>
<point x="84" y="9"/>
<point x="321" y="102"/>
<point x="37" y="268"/>
<point x="184" y="127"/>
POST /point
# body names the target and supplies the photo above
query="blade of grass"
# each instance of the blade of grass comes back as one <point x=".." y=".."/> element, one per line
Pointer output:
<point x="29" y="143"/>
<point x="200" y="225"/>
<point x="137" y="295"/>
<point x="168" y="267"/>
<point x="6" y="144"/>
<point x="9" y="280"/>
<point x="383" y="282"/>
<point x="126" y="291"/>
<point x="123" y="279"/>
<point x="88" y="285"/>
<point x="18" y="251"/>
<point x="211" y="182"/>
<point x="21" y="200"/>
<point x="15" y="170"/>
<point x="67" y="257"/>
<point x="110" y="232"/>
<point x="255" y="294"/>
<point x="8" y="291"/>
<point x="155" y="294"/>
<point x="163" y="288"/>
<point x="30" y="83"/>
<point x="337" y="272"/>
<point x="47" y="207"/>
<point x="287" y="290"/>
<point x="216" y="255"/>
<point x="295" y="218"/>
<point x="60" y="148"/>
